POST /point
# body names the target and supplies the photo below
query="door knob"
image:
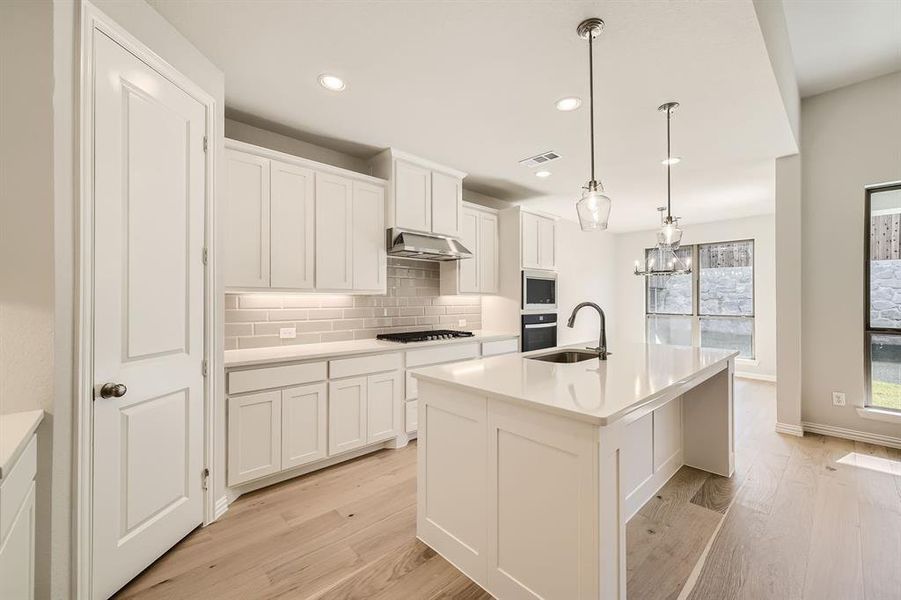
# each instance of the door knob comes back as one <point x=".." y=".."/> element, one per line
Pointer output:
<point x="113" y="390"/>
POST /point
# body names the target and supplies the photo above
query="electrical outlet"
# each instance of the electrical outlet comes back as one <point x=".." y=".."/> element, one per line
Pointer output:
<point x="461" y="323"/>
<point x="287" y="333"/>
<point x="838" y="398"/>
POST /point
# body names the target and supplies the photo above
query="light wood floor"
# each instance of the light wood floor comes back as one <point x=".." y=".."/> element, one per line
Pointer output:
<point x="793" y="522"/>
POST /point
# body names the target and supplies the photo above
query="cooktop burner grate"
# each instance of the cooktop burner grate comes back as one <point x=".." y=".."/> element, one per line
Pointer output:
<point x="423" y="336"/>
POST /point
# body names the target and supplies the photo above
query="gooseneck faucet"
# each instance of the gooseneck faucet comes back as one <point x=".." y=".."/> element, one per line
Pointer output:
<point x="602" y="342"/>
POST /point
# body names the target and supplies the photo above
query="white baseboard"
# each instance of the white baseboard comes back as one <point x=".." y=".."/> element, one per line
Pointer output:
<point x="853" y="434"/>
<point x="756" y="376"/>
<point x="795" y="430"/>
<point x="221" y="507"/>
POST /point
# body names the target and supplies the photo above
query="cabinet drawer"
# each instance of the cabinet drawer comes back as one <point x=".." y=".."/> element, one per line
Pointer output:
<point x="442" y="354"/>
<point x="275" y="377"/>
<point x="495" y="347"/>
<point x="411" y="416"/>
<point x="15" y="487"/>
<point x="363" y="365"/>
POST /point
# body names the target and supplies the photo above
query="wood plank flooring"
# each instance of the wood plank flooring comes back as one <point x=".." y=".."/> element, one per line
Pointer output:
<point x="804" y="518"/>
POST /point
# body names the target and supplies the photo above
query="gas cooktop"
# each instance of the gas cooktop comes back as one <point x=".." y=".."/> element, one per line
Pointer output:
<point x="423" y="336"/>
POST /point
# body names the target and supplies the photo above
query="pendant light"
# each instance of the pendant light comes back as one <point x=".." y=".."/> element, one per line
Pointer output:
<point x="663" y="260"/>
<point x="594" y="206"/>
<point x="669" y="235"/>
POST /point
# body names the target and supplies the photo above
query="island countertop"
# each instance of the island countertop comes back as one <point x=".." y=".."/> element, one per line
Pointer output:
<point x="599" y="392"/>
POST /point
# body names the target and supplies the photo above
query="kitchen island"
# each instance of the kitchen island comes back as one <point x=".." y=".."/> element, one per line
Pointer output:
<point x="529" y="470"/>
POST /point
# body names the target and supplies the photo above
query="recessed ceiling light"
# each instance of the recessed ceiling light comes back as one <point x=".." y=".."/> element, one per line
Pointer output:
<point x="568" y="103"/>
<point x="543" y="174"/>
<point x="675" y="160"/>
<point x="331" y="82"/>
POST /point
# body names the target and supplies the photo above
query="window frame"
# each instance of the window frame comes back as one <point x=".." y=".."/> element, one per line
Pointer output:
<point x="868" y="330"/>
<point x="696" y="314"/>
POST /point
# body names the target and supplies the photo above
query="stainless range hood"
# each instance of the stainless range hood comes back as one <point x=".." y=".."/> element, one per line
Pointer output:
<point x="425" y="246"/>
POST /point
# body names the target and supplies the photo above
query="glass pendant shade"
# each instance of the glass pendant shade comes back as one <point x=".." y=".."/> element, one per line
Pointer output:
<point x="593" y="208"/>
<point x="670" y="235"/>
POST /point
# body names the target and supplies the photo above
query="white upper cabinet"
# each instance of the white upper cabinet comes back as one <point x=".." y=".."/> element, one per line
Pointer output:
<point x="293" y="228"/>
<point x="247" y="220"/>
<point x="294" y="224"/>
<point x="413" y="196"/>
<point x="488" y="253"/>
<point x="334" y="227"/>
<point x="369" y="255"/>
<point x="539" y="241"/>
<point x="447" y="204"/>
<point x="422" y="195"/>
<point x="479" y="274"/>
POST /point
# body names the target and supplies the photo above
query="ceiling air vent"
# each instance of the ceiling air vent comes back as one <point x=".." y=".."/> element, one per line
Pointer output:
<point x="539" y="159"/>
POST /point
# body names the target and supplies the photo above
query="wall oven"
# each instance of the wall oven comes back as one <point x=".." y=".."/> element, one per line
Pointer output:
<point x="539" y="331"/>
<point x="539" y="290"/>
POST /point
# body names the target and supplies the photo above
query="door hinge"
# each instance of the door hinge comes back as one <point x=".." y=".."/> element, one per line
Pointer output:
<point x="205" y="255"/>
<point x="204" y="368"/>
<point x="205" y="144"/>
<point x="205" y="478"/>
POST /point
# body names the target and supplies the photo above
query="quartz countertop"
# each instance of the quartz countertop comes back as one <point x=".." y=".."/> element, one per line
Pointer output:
<point x="16" y="430"/>
<point x="599" y="392"/>
<point x="258" y="356"/>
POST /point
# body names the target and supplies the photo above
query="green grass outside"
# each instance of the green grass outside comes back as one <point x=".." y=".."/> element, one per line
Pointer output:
<point x="886" y="395"/>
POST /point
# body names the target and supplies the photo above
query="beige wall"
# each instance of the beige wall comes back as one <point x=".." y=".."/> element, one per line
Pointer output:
<point x="630" y="290"/>
<point x="851" y="138"/>
<point x="788" y="292"/>
<point x="26" y="206"/>
<point x="242" y="132"/>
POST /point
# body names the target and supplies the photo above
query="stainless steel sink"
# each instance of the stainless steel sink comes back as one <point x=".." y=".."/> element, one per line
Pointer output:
<point x="566" y="356"/>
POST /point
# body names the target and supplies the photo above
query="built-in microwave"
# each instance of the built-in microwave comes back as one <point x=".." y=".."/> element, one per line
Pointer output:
<point x="539" y="290"/>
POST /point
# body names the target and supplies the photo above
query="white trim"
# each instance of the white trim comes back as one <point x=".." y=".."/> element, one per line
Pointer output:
<point x="221" y="507"/>
<point x="92" y="19"/>
<point x="878" y="414"/>
<point x="788" y="429"/>
<point x="756" y="376"/>
<point x="853" y="434"/>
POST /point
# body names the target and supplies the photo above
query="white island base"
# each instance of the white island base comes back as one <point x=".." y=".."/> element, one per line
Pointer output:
<point x="531" y="500"/>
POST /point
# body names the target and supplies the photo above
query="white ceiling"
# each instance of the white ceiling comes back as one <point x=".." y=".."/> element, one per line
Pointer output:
<point x="840" y="42"/>
<point x="473" y="85"/>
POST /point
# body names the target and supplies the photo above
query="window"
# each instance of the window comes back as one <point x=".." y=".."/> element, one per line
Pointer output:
<point x="713" y="307"/>
<point x="882" y="345"/>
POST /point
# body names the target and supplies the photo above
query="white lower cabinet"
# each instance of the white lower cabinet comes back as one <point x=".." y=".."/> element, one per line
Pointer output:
<point x="384" y="399"/>
<point x="17" y="523"/>
<point x="346" y="414"/>
<point x="254" y="436"/>
<point x="304" y="424"/>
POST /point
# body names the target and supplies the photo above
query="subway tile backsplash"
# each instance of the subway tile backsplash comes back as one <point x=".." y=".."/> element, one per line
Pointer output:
<point x="411" y="303"/>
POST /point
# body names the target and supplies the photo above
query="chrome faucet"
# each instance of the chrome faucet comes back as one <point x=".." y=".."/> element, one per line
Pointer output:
<point x="602" y="342"/>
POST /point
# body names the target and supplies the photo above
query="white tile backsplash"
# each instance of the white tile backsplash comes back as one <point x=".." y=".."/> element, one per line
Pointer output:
<point x="411" y="303"/>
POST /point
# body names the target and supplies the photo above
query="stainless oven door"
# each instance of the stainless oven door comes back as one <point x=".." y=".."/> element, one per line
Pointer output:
<point x="539" y="290"/>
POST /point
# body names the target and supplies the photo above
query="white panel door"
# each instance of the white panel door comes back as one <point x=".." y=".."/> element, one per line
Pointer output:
<point x="334" y="232"/>
<point x="469" y="267"/>
<point x="292" y="235"/>
<point x="17" y="552"/>
<point x="148" y="198"/>
<point x="383" y="398"/>
<point x="304" y="424"/>
<point x="529" y="234"/>
<point x="547" y="243"/>
<point x="254" y="436"/>
<point x="447" y="203"/>
<point x="487" y="255"/>
<point x="369" y="255"/>
<point x="346" y="414"/>
<point x="412" y="196"/>
<point x="246" y="220"/>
